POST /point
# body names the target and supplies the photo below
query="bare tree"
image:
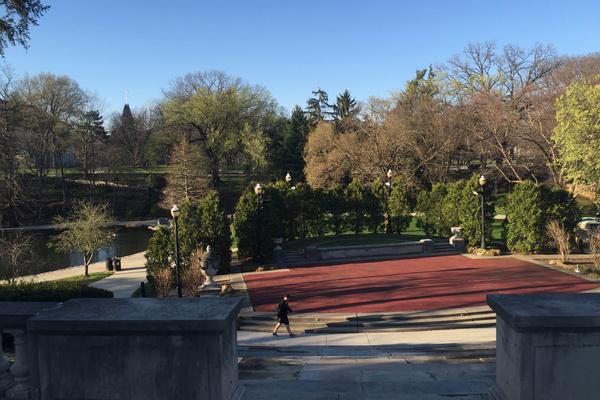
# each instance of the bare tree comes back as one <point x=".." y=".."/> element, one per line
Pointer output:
<point x="594" y="243"/>
<point x="85" y="230"/>
<point x="16" y="256"/>
<point x="560" y="238"/>
<point x="188" y="175"/>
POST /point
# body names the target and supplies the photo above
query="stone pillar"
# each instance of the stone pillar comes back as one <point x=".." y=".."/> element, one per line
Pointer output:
<point x="278" y="252"/>
<point x="547" y="346"/>
<point x="6" y="379"/>
<point x="428" y="245"/>
<point x="137" y="349"/>
<point x="20" y="369"/>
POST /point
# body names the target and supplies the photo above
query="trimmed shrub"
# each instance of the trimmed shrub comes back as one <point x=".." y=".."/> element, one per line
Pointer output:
<point x="462" y="207"/>
<point x="376" y="203"/>
<point x="160" y="253"/>
<point x="356" y="199"/>
<point x="560" y="205"/>
<point x="255" y="226"/>
<point x="430" y="217"/>
<point x="400" y="204"/>
<point x="531" y="208"/>
<point x="50" y="291"/>
<point x="525" y="226"/>
<point x="335" y="206"/>
<point x="214" y="228"/>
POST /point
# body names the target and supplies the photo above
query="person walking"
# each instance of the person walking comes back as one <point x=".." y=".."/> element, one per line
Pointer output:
<point x="283" y="308"/>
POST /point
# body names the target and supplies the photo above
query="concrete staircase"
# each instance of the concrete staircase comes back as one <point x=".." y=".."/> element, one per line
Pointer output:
<point x="474" y="317"/>
<point x="297" y="258"/>
<point x="429" y="372"/>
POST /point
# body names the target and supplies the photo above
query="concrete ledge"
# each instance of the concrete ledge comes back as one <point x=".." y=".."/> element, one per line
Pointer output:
<point x="15" y="314"/>
<point x="314" y="253"/>
<point x="138" y="314"/>
<point x="136" y="349"/>
<point x="557" y="310"/>
<point x="547" y="346"/>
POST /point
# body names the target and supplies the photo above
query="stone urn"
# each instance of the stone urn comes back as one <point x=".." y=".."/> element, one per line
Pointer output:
<point x="457" y="241"/>
<point x="209" y="264"/>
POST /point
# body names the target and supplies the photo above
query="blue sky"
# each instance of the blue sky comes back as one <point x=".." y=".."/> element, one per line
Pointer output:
<point x="290" y="47"/>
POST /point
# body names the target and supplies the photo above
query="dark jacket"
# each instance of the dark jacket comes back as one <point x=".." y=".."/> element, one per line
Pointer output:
<point x="283" y="309"/>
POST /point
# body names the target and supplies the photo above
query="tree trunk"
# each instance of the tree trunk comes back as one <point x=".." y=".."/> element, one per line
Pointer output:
<point x="86" y="263"/>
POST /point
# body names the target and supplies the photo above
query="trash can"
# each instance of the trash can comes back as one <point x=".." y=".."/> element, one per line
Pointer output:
<point x="109" y="264"/>
<point x="117" y="263"/>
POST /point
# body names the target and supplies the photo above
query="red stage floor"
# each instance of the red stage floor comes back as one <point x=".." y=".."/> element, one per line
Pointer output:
<point x="405" y="285"/>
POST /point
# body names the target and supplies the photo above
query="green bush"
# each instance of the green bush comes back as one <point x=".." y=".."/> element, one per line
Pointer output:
<point x="355" y="194"/>
<point x="50" y="291"/>
<point x="200" y="224"/>
<point x="214" y="228"/>
<point x="375" y="203"/>
<point x="430" y="217"/>
<point x="525" y="226"/>
<point x="335" y="206"/>
<point x="560" y="205"/>
<point x="160" y="251"/>
<point x="400" y="204"/>
<point x="254" y="225"/>
<point x="530" y="208"/>
<point x="462" y="207"/>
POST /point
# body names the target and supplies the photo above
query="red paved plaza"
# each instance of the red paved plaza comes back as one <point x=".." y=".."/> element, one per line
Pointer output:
<point x="405" y="285"/>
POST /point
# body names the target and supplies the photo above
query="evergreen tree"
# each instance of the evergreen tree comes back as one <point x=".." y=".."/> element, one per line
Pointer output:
<point x="293" y="144"/>
<point x="89" y="130"/>
<point x="345" y="107"/>
<point x="318" y="107"/>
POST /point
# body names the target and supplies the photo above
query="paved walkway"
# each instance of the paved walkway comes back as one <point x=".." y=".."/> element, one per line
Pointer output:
<point x="368" y="339"/>
<point x="122" y="283"/>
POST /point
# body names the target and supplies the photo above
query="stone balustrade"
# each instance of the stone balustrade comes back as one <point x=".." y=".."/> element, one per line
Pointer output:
<point x="15" y="380"/>
<point x="122" y="349"/>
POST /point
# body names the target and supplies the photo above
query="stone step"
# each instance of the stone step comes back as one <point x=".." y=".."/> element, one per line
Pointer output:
<point x="407" y="389"/>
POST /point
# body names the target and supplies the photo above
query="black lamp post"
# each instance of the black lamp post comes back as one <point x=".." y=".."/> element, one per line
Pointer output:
<point x="175" y="215"/>
<point x="388" y="186"/>
<point x="288" y="180"/>
<point x="482" y="182"/>
<point x="258" y="191"/>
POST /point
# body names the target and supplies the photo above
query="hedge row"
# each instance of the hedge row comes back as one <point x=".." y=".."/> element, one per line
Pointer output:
<point x="50" y="291"/>
<point x="530" y="208"/>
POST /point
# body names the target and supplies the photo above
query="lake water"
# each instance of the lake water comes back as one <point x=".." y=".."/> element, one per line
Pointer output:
<point x="126" y="242"/>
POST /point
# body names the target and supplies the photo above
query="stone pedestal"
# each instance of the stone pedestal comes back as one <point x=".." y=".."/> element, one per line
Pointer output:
<point x="209" y="263"/>
<point x="428" y="245"/>
<point x="456" y="240"/>
<point x="136" y="349"/>
<point x="547" y="346"/>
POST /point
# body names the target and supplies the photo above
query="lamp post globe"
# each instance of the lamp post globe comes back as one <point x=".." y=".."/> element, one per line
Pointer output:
<point x="482" y="180"/>
<point x="175" y="214"/>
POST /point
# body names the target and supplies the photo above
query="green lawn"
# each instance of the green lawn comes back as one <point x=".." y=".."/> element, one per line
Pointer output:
<point x="86" y="280"/>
